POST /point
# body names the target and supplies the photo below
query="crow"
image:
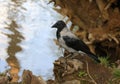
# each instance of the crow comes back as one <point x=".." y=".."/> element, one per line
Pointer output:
<point x="70" y="41"/>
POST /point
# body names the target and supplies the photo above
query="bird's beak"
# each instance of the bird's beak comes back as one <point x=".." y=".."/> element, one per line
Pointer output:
<point x="53" y="26"/>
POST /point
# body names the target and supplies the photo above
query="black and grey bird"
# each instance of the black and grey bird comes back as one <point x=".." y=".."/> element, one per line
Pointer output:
<point x="71" y="42"/>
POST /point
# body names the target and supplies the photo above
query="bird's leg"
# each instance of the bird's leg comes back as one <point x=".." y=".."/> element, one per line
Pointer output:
<point x="69" y="55"/>
<point x="74" y="55"/>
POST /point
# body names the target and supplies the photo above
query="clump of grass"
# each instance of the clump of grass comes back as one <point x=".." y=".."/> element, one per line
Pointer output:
<point x="116" y="76"/>
<point x="116" y="73"/>
<point x="82" y="73"/>
<point x="104" y="61"/>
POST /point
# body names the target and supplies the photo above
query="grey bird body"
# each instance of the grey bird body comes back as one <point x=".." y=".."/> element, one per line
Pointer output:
<point x="71" y="42"/>
<point x="63" y="33"/>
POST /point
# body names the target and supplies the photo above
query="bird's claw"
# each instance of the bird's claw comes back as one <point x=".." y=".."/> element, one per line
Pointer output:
<point x="69" y="55"/>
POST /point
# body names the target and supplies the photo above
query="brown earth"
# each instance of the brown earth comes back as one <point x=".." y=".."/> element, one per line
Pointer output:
<point x="98" y="23"/>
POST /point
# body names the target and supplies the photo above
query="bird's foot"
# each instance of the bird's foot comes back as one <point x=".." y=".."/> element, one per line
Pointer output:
<point x="69" y="55"/>
<point x="74" y="55"/>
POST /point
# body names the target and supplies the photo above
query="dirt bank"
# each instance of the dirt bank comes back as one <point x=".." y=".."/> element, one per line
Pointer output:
<point x="98" y="24"/>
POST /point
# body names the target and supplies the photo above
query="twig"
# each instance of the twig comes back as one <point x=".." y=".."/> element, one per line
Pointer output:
<point x="109" y="4"/>
<point x="101" y="6"/>
<point x="114" y="38"/>
<point x="89" y="74"/>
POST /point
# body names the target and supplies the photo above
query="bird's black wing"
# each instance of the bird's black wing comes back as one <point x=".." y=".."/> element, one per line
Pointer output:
<point x="76" y="44"/>
<point x="79" y="45"/>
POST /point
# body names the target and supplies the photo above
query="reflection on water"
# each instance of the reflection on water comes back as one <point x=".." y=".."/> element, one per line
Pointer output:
<point x="13" y="48"/>
<point x="15" y="38"/>
<point x="26" y="38"/>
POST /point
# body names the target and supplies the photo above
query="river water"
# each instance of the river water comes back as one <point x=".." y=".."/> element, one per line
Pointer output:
<point x="26" y="37"/>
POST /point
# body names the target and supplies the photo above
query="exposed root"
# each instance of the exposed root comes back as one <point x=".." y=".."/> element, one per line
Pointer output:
<point x="101" y="5"/>
<point x="89" y="73"/>
<point x="114" y="38"/>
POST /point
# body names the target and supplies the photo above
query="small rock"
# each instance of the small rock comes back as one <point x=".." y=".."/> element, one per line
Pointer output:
<point x="29" y="78"/>
<point x="72" y="82"/>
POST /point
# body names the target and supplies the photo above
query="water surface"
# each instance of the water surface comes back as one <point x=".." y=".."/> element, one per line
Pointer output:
<point x="26" y="39"/>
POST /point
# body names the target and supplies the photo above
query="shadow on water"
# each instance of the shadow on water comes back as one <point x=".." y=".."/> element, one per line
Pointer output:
<point x="12" y="49"/>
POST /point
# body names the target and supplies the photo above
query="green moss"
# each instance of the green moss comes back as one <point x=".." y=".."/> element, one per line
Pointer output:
<point x="104" y="61"/>
<point x="82" y="73"/>
<point x="116" y="73"/>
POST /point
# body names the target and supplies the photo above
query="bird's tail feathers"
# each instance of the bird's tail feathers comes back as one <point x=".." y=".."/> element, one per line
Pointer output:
<point x="94" y="57"/>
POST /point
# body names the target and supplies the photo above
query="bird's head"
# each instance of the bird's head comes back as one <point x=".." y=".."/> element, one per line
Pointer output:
<point x="59" y="25"/>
